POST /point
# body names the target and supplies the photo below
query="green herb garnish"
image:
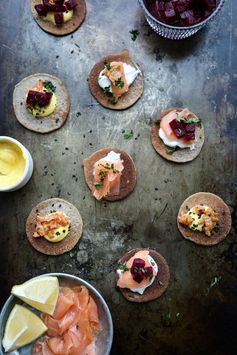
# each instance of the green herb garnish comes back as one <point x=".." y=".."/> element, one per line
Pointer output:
<point x="128" y="135"/>
<point x="134" y="34"/>
<point x="172" y="150"/>
<point x="77" y="45"/>
<point x="119" y="83"/>
<point x="49" y="86"/>
<point x="161" y="89"/>
<point x="113" y="100"/>
<point x="78" y="114"/>
<point x="57" y="233"/>
<point x="98" y="185"/>
<point x="107" y="65"/>
<point x="157" y="122"/>
<point x="197" y="121"/>
<point x="122" y="267"/>
<point x="108" y="92"/>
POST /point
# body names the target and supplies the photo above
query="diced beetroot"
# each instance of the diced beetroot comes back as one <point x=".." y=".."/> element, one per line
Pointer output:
<point x="40" y="99"/>
<point x="41" y="10"/>
<point x="48" y="5"/>
<point x="188" y="18"/>
<point x="190" y="127"/>
<point x="181" y="12"/>
<point x="178" y="128"/>
<point x="138" y="263"/>
<point x="149" y="271"/>
<point x="70" y="4"/>
<point x="58" y="18"/>
<point x="190" y="136"/>
<point x="138" y="276"/>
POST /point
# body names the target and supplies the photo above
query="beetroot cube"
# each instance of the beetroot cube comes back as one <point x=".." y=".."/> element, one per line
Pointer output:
<point x="149" y="271"/>
<point x="138" y="277"/>
<point x="40" y="99"/>
<point x="58" y="18"/>
<point x="139" y="263"/>
<point x="41" y="10"/>
<point x="190" y="136"/>
<point x="178" y="128"/>
<point x="70" y="4"/>
<point x="190" y="127"/>
<point x="180" y="5"/>
<point x="188" y="18"/>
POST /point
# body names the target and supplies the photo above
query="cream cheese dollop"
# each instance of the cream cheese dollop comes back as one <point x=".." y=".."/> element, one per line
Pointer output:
<point x="174" y="143"/>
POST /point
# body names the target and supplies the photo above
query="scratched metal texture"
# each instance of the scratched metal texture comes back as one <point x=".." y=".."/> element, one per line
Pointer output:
<point x="201" y="73"/>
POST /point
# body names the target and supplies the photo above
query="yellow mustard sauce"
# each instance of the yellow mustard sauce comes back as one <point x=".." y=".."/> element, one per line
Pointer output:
<point x="66" y="16"/>
<point x="59" y="234"/>
<point x="12" y="164"/>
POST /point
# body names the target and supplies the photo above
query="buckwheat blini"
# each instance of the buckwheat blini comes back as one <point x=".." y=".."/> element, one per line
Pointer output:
<point x="54" y="226"/>
<point x="142" y="275"/>
<point x="177" y="134"/>
<point x="41" y="103"/>
<point x="110" y="174"/>
<point x="204" y="219"/>
<point x="116" y="81"/>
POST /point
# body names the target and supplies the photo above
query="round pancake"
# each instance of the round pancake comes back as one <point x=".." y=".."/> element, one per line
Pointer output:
<point x="70" y="26"/>
<point x="126" y="100"/>
<point x="181" y="155"/>
<point x="220" y="232"/>
<point x="128" y="178"/>
<point x="157" y="288"/>
<point x="41" y="124"/>
<point x="49" y="206"/>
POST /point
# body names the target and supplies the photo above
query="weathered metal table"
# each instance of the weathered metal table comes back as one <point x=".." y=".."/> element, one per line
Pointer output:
<point x="197" y="314"/>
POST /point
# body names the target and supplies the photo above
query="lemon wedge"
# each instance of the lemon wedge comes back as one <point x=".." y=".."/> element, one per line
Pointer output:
<point x="22" y="327"/>
<point x="40" y="293"/>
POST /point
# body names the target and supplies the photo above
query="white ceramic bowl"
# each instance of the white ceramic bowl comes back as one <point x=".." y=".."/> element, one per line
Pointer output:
<point x="28" y="168"/>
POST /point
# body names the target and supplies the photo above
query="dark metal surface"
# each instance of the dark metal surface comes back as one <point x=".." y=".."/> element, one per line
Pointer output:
<point x="197" y="314"/>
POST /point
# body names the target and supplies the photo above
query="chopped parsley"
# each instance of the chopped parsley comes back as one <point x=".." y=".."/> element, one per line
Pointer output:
<point x="78" y="114"/>
<point x="134" y="34"/>
<point x="128" y="135"/>
<point x="122" y="267"/>
<point x="49" y="86"/>
<point x="172" y="150"/>
<point x="98" y="185"/>
<point x="157" y="122"/>
<point x="108" y="92"/>
<point x="77" y="45"/>
<point x="113" y="100"/>
<point x="58" y="233"/>
<point x="119" y="83"/>
<point x="107" y="65"/>
<point x="197" y="121"/>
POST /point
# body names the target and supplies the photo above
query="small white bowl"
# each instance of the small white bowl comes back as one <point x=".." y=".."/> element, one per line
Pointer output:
<point x="28" y="168"/>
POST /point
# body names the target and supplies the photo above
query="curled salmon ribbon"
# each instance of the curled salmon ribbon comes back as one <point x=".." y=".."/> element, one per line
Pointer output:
<point x="46" y="225"/>
<point x="73" y="326"/>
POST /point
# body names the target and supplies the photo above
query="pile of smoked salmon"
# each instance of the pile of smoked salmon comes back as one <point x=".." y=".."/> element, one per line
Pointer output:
<point x="72" y="328"/>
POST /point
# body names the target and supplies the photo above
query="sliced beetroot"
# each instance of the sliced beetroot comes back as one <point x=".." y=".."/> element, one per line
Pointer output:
<point x="58" y="18"/>
<point x="40" y="99"/>
<point x="70" y="4"/>
<point x="177" y="128"/>
<point x="48" y="5"/>
<point x="41" y="9"/>
<point x="138" y="276"/>
<point x="188" y="18"/>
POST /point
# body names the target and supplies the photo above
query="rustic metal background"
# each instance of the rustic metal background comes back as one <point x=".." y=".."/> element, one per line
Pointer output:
<point x="198" y="313"/>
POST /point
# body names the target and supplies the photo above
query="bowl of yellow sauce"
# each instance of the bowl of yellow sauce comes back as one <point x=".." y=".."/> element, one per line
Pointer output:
<point x="16" y="164"/>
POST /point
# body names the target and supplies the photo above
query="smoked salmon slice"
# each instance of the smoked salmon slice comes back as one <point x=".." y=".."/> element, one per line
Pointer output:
<point x="115" y="73"/>
<point x="107" y="177"/>
<point x="126" y="278"/>
<point x="46" y="225"/>
<point x="72" y="327"/>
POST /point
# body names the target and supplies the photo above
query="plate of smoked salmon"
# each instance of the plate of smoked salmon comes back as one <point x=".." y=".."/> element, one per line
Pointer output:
<point x="73" y="318"/>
